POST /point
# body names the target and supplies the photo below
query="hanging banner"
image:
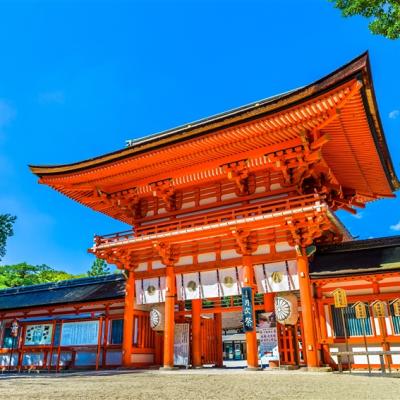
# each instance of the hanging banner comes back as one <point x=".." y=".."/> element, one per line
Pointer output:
<point x="277" y="277"/>
<point x="181" y="345"/>
<point x="339" y="298"/>
<point x="38" y="335"/>
<point x="286" y="308"/>
<point x="80" y="333"/>
<point x="247" y="309"/>
<point x="209" y="284"/>
<point x="150" y="291"/>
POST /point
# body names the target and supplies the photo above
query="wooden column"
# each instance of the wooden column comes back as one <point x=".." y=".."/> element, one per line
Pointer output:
<point x="196" y="333"/>
<point x="251" y="337"/>
<point x="169" y="317"/>
<point x="269" y="302"/>
<point x="128" y="320"/>
<point x="324" y="332"/>
<point x="218" y="340"/>
<point x="307" y="311"/>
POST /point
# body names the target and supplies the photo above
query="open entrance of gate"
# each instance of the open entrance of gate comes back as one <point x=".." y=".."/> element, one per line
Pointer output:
<point x="216" y="337"/>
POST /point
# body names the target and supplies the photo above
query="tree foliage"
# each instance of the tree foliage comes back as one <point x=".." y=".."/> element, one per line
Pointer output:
<point x="384" y="14"/>
<point x="24" y="274"/>
<point x="6" y="230"/>
<point x="99" y="268"/>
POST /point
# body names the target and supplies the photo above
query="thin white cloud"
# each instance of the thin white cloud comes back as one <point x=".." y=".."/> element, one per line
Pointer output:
<point x="52" y="97"/>
<point x="394" y="114"/>
<point x="395" y="227"/>
<point x="357" y="216"/>
<point x="7" y="114"/>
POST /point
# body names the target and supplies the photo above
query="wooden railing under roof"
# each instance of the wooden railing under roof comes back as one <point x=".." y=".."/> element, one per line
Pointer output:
<point x="285" y="206"/>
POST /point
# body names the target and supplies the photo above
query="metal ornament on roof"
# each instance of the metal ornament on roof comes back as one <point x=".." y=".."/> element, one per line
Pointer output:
<point x="286" y="308"/>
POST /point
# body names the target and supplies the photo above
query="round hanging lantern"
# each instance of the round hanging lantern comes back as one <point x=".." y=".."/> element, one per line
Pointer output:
<point x="157" y="318"/>
<point x="286" y="308"/>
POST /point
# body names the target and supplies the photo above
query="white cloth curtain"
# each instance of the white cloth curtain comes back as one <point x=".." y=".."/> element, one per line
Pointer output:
<point x="277" y="277"/>
<point x="150" y="291"/>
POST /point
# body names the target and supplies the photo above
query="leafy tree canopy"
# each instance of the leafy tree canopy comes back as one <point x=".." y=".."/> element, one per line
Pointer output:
<point x="384" y="14"/>
<point x="99" y="268"/>
<point x="6" y="230"/>
<point x="24" y="274"/>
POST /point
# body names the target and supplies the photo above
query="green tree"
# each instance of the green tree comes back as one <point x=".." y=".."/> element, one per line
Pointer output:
<point x="384" y="14"/>
<point x="6" y="230"/>
<point x="24" y="274"/>
<point x="99" y="268"/>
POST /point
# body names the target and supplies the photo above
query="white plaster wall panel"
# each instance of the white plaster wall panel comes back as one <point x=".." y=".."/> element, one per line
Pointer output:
<point x="377" y="326"/>
<point x="388" y="326"/>
<point x="328" y="321"/>
<point x="142" y="266"/>
<point x="263" y="249"/>
<point x="189" y="204"/>
<point x="207" y="257"/>
<point x="226" y="254"/>
<point x="390" y="279"/>
<point x="157" y="265"/>
<point x="260" y="189"/>
<point x="373" y="359"/>
<point x="162" y="210"/>
<point x="185" y="260"/>
<point x="355" y="292"/>
<point x="207" y="200"/>
<point x="395" y="357"/>
<point x="283" y="246"/>
<point x="390" y="289"/>
<point x="228" y="196"/>
<point x="275" y="186"/>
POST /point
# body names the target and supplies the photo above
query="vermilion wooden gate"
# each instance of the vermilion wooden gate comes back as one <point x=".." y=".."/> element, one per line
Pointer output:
<point x="290" y="340"/>
<point x="208" y="341"/>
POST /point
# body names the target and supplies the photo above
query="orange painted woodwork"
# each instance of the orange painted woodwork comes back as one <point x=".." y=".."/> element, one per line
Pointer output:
<point x="218" y="339"/>
<point x="196" y="333"/>
<point x="307" y="311"/>
<point x="269" y="302"/>
<point x="169" y="318"/>
<point x="128" y="320"/>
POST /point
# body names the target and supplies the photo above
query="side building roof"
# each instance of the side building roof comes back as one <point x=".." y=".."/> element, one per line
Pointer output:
<point x="64" y="292"/>
<point x="358" y="257"/>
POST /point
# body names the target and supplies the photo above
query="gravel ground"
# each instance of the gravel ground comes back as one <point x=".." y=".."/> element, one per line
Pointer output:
<point x="198" y="385"/>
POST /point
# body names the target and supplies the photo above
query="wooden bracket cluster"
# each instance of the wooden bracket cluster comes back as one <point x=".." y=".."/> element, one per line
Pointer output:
<point x="166" y="252"/>
<point x="165" y="191"/>
<point x="238" y="172"/>
<point x="246" y="242"/>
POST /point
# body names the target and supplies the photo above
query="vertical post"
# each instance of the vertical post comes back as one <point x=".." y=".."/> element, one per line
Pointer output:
<point x="323" y="329"/>
<point x="306" y="310"/>
<point x="196" y="333"/>
<point x="128" y="320"/>
<point x="169" y="318"/>
<point x="219" y="345"/>
<point x="251" y="337"/>
<point x="269" y="302"/>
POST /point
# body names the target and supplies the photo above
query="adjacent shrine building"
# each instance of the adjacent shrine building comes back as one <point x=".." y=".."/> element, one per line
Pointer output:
<point x="226" y="212"/>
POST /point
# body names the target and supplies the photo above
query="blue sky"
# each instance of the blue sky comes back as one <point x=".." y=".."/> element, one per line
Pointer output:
<point x="78" y="78"/>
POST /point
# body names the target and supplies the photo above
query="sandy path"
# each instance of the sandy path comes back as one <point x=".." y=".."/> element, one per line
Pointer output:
<point x="198" y="385"/>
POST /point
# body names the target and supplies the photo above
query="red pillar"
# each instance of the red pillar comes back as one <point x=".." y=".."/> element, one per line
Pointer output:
<point x="169" y="318"/>
<point x="269" y="305"/>
<point x="218" y="340"/>
<point x="251" y="337"/>
<point x="128" y="320"/>
<point x="196" y="333"/>
<point x="307" y="311"/>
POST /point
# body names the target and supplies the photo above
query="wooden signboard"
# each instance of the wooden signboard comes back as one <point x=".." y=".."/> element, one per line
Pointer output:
<point x="396" y="307"/>
<point x="340" y="298"/>
<point x="378" y="308"/>
<point x="360" y="310"/>
<point x="247" y="308"/>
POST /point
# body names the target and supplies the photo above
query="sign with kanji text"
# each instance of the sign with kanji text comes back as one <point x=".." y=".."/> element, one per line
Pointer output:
<point x="378" y="308"/>
<point x="340" y="298"/>
<point x="247" y="309"/>
<point x="360" y="310"/>
<point x="396" y="307"/>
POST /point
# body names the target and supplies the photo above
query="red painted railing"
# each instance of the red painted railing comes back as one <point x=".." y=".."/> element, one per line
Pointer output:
<point x="192" y="221"/>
